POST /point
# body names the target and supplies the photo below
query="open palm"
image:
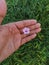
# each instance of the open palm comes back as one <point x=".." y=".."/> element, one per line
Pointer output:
<point x="12" y="36"/>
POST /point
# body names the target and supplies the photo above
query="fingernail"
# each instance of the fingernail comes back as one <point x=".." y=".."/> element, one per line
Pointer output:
<point x="38" y="24"/>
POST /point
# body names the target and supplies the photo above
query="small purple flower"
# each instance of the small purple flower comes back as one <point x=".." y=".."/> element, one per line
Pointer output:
<point x="26" y="30"/>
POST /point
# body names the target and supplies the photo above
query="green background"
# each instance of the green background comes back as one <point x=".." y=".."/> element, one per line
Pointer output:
<point x="35" y="52"/>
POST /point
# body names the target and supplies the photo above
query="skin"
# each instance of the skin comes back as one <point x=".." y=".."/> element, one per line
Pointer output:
<point x="11" y="35"/>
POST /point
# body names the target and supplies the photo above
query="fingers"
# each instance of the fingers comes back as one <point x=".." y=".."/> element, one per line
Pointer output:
<point x="24" y="23"/>
<point x="28" y="38"/>
<point x="37" y="25"/>
<point x="31" y="32"/>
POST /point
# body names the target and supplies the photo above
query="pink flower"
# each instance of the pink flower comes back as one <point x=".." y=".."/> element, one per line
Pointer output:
<point x="26" y="30"/>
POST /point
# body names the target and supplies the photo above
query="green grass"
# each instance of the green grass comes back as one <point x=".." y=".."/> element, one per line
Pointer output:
<point x="35" y="52"/>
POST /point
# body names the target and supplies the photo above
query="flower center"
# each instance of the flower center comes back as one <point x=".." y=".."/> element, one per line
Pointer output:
<point x="26" y="31"/>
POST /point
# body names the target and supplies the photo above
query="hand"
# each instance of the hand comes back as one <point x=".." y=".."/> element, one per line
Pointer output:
<point x="12" y="37"/>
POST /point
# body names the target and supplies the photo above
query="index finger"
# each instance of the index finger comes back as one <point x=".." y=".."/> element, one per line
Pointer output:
<point x="25" y="23"/>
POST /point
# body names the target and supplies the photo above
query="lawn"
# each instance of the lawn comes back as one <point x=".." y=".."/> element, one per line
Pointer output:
<point x="35" y="52"/>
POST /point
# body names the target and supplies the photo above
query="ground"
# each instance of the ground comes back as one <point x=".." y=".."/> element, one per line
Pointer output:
<point x="35" y="52"/>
